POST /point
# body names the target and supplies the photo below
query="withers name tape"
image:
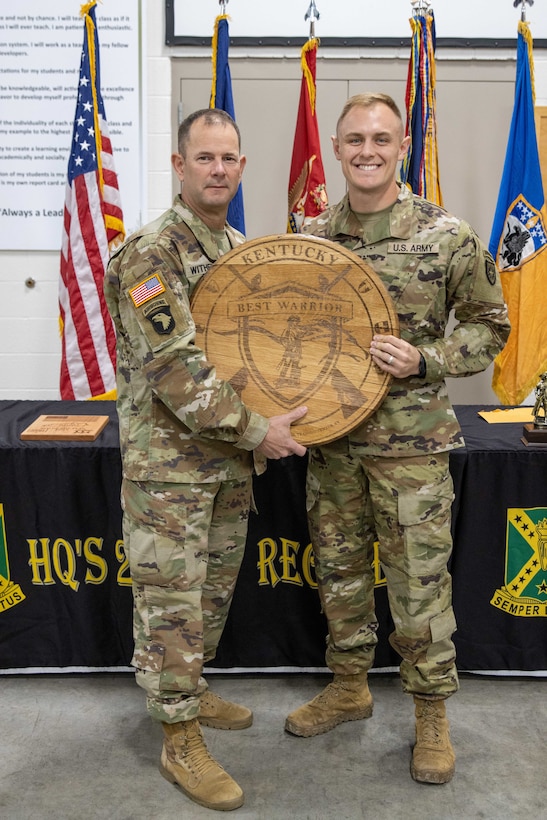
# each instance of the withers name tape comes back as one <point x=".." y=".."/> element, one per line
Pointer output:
<point x="146" y="290"/>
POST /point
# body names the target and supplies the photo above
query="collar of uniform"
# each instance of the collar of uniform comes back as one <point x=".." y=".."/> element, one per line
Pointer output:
<point x="402" y="221"/>
<point x="200" y="230"/>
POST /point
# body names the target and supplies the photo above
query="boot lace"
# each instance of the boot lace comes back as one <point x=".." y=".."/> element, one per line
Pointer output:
<point x="430" y="726"/>
<point x="194" y="752"/>
<point x="330" y="692"/>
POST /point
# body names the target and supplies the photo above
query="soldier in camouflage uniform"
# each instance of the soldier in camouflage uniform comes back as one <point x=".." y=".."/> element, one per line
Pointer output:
<point x="389" y="479"/>
<point x="187" y="444"/>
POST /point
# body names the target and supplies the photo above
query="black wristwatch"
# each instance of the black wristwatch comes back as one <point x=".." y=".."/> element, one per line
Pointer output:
<point x="421" y="371"/>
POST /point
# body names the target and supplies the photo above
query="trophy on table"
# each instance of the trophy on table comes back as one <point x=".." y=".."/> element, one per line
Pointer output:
<point x="536" y="432"/>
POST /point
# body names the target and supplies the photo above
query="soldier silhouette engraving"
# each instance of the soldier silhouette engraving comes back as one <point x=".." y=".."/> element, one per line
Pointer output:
<point x="290" y="365"/>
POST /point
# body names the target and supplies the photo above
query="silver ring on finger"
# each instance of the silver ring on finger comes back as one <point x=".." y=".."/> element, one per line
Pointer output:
<point x="390" y="359"/>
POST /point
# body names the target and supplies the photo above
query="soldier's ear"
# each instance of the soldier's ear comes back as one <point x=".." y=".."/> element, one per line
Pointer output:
<point x="405" y="145"/>
<point x="177" y="161"/>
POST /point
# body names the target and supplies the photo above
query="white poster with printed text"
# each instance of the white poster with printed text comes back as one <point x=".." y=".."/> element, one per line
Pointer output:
<point x="40" y="49"/>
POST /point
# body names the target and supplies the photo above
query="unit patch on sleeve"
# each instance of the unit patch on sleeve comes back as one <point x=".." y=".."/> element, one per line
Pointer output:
<point x="146" y="290"/>
<point x="490" y="271"/>
<point x="159" y="314"/>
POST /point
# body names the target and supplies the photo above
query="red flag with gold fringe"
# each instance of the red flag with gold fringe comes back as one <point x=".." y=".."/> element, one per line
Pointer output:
<point x="307" y="188"/>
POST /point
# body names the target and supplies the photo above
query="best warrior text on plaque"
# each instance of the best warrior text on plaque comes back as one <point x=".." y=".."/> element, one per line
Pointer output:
<point x="288" y="320"/>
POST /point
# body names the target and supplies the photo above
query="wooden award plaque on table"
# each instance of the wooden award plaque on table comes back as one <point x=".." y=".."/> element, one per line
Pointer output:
<point x="64" y="428"/>
<point x="288" y="320"/>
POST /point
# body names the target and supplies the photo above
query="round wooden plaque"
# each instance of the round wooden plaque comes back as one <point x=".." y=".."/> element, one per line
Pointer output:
<point x="288" y="320"/>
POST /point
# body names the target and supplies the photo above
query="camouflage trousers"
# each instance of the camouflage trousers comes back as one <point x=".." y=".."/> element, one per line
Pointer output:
<point x="185" y="545"/>
<point x="405" y="504"/>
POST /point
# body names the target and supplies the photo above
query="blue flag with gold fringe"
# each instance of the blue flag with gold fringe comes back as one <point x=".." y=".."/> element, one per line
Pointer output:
<point x="221" y="97"/>
<point x="518" y="242"/>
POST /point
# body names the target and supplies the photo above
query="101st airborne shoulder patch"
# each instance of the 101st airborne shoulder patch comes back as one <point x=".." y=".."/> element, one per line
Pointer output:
<point x="160" y="315"/>
<point x="524" y="593"/>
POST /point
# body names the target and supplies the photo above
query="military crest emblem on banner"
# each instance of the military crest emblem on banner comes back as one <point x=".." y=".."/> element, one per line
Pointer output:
<point x="11" y="594"/>
<point x="524" y="593"/>
<point x="523" y="237"/>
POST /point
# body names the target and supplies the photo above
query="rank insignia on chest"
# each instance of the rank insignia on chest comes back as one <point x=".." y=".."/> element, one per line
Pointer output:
<point x="147" y="289"/>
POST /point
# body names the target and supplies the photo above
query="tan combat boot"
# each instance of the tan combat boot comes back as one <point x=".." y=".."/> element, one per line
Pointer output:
<point x="433" y="758"/>
<point x="347" y="697"/>
<point x="218" y="713"/>
<point x="186" y="762"/>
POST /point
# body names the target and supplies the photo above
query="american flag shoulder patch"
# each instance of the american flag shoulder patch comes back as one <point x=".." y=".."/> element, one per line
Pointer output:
<point x="146" y="290"/>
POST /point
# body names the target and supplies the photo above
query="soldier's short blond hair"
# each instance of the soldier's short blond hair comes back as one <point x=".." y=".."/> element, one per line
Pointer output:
<point x="367" y="100"/>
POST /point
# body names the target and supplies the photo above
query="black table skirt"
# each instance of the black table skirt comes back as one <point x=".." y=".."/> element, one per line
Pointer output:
<point x="65" y="594"/>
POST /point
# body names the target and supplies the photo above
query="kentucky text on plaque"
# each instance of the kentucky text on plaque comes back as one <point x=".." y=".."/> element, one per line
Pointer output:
<point x="288" y="320"/>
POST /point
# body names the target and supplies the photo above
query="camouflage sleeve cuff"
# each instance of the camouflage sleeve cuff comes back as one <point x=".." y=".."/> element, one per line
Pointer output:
<point x="254" y="432"/>
<point x="434" y="364"/>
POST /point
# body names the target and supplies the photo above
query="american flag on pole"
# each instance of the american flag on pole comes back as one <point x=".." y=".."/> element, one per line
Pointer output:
<point x="307" y="189"/>
<point x="93" y="224"/>
<point x="420" y="167"/>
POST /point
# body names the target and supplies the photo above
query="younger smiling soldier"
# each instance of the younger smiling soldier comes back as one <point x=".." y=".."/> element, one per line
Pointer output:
<point x="389" y="478"/>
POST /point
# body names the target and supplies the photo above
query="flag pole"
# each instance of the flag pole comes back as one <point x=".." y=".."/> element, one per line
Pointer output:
<point x="222" y="98"/>
<point x="312" y="15"/>
<point x="307" y="194"/>
<point x="92" y="226"/>
<point x="420" y="167"/>
<point x="522" y="4"/>
<point x="518" y="241"/>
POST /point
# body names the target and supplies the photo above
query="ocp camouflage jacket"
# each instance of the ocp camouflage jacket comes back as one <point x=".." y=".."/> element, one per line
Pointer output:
<point x="431" y="264"/>
<point x="178" y="421"/>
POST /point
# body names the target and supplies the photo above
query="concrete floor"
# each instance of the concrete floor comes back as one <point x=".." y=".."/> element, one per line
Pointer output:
<point x="81" y="746"/>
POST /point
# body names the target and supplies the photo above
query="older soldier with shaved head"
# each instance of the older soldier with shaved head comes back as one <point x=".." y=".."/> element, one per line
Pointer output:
<point x="187" y="444"/>
<point x="389" y="479"/>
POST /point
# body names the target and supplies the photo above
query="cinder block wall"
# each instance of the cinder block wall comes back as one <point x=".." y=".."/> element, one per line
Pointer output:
<point x="29" y="337"/>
